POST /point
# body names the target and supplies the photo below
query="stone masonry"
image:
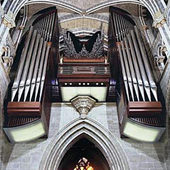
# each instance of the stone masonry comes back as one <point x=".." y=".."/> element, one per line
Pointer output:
<point x="27" y="156"/>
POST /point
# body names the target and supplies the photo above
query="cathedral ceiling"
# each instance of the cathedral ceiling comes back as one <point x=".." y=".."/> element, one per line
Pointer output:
<point x="133" y="9"/>
<point x="71" y="20"/>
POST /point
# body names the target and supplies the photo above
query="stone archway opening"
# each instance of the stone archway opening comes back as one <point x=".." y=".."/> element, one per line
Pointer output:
<point x="87" y="149"/>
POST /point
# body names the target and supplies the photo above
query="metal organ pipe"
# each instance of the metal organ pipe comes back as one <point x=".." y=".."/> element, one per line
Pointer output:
<point x="123" y="72"/>
<point x="40" y="71"/>
<point x="138" y="75"/>
<point x="114" y="25"/>
<point x="31" y="70"/>
<point x="132" y="70"/>
<point x="21" y="66"/>
<point x="117" y="27"/>
<point x="147" y="67"/>
<point x="30" y="79"/>
<point x="138" y="79"/>
<point x="26" y="68"/>
<point x="121" y="26"/>
<point x="52" y="25"/>
<point x="35" y="74"/>
<point x="129" y="79"/>
<point x="141" y="67"/>
<point x="44" y="71"/>
<point x="48" y="28"/>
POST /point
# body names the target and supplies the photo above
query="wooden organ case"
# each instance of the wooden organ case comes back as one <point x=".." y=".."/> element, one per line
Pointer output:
<point x="28" y="110"/>
<point x="83" y="69"/>
<point x="140" y="111"/>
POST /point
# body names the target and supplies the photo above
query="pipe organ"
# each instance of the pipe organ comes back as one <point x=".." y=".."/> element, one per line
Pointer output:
<point x="77" y="67"/>
<point x="29" y="108"/>
<point x="121" y="26"/>
<point x="139" y="107"/>
<point x="82" y="70"/>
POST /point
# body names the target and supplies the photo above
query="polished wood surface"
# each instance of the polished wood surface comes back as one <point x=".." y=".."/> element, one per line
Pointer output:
<point x="85" y="60"/>
<point x="144" y="109"/>
<point x="15" y="109"/>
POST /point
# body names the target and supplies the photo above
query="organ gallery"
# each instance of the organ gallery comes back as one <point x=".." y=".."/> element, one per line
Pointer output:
<point x="84" y="84"/>
<point x="57" y="65"/>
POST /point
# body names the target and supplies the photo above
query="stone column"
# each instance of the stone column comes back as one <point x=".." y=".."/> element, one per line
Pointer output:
<point x="6" y="24"/>
<point x="161" y="24"/>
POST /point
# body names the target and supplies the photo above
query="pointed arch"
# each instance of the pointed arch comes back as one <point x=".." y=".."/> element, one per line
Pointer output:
<point x="95" y="133"/>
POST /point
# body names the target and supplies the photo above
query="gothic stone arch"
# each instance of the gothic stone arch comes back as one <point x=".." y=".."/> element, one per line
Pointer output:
<point x="84" y="128"/>
<point x="148" y="4"/>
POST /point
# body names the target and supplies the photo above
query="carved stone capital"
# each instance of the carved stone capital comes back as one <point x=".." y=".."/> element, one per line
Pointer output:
<point x="83" y="104"/>
<point x="159" y="19"/>
<point x="8" y="20"/>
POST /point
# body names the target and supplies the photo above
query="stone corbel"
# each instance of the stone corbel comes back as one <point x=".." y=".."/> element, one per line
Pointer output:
<point x="159" y="19"/>
<point x="160" y="23"/>
<point x="7" y="59"/>
<point x="8" y="20"/>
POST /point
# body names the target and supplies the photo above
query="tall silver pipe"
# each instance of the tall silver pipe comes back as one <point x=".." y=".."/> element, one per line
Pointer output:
<point x="26" y="68"/>
<point x="132" y="70"/>
<point x="147" y="67"/>
<point x="44" y="71"/>
<point x="31" y="70"/>
<point x="127" y="71"/>
<point x="45" y="23"/>
<point x="21" y="65"/>
<point x="138" y="75"/>
<point x="40" y="70"/>
<point x="115" y="27"/>
<point x="123" y="27"/>
<point x="47" y="27"/>
<point x="52" y="25"/>
<point x="120" y="26"/>
<point x="143" y="73"/>
<point x="123" y="72"/>
<point x="35" y="74"/>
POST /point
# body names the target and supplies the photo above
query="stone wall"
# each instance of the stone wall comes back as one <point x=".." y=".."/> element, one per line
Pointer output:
<point x="4" y="81"/>
<point x="140" y="156"/>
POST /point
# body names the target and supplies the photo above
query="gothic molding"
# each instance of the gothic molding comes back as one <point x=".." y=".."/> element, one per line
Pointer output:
<point x="93" y="131"/>
<point x="159" y="19"/>
<point x="9" y="20"/>
<point x="98" y="17"/>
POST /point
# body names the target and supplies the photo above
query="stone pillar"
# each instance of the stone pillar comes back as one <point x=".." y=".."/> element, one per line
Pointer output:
<point x="161" y="24"/>
<point x="162" y="5"/>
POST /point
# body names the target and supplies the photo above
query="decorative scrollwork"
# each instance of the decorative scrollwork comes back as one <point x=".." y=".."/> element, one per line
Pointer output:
<point x="70" y="51"/>
<point x="83" y="104"/>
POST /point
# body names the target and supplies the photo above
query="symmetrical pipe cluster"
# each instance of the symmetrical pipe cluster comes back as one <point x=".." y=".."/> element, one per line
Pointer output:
<point x="29" y="82"/>
<point x="137" y="75"/>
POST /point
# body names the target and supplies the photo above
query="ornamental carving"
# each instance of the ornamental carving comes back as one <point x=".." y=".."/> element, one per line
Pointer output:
<point x="73" y="48"/>
<point x="83" y="104"/>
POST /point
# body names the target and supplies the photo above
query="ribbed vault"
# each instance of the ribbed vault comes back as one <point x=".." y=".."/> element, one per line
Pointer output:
<point x="90" y="130"/>
<point x="150" y="5"/>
